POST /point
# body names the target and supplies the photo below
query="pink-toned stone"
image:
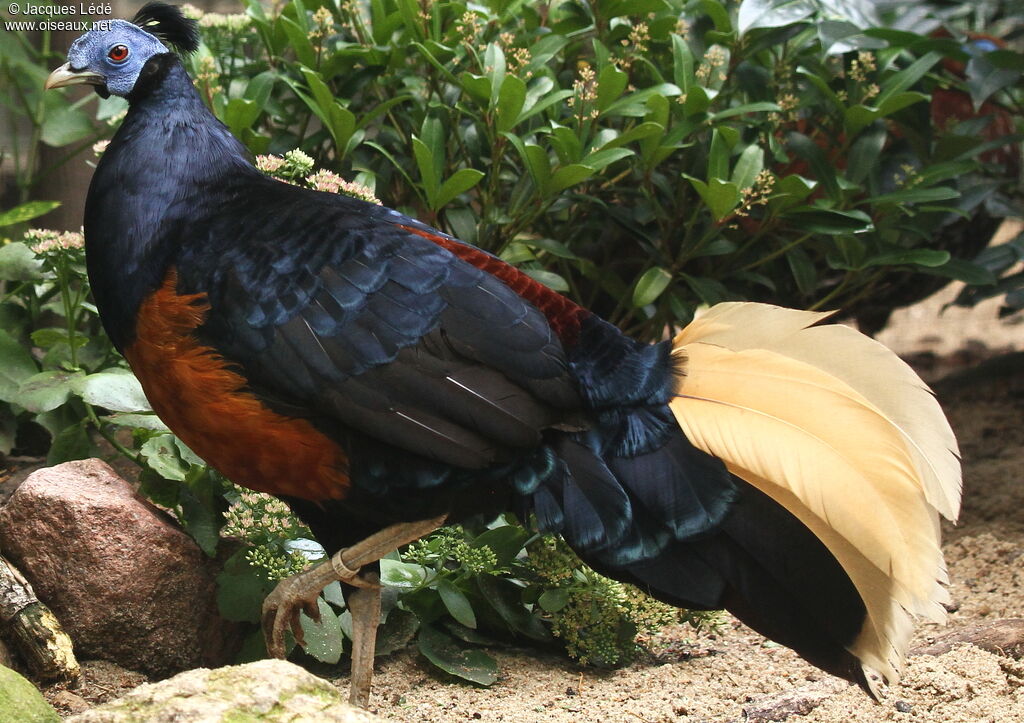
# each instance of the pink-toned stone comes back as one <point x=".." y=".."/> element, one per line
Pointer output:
<point x="126" y="582"/>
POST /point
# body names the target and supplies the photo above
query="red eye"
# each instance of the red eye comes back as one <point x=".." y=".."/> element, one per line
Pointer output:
<point x="118" y="53"/>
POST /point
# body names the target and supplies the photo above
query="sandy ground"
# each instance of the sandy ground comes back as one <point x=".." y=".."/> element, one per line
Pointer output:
<point x="731" y="675"/>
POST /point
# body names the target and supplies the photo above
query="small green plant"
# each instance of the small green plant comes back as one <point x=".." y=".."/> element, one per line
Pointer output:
<point x="454" y="591"/>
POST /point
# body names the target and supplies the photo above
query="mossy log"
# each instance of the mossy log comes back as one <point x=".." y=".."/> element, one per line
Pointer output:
<point x="32" y="630"/>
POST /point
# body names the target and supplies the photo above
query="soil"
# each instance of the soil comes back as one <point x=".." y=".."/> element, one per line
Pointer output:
<point x="735" y="674"/>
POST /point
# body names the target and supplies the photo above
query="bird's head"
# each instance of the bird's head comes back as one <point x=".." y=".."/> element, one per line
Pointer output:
<point x="113" y="58"/>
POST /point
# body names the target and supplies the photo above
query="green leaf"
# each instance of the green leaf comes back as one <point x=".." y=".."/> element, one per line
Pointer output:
<point x="396" y="632"/>
<point x="70" y="443"/>
<point x="966" y="271"/>
<point x="804" y="272"/>
<point x="511" y="100"/>
<point x="760" y="107"/>
<point x="65" y="125"/>
<point x="240" y="114"/>
<point x="161" y="454"/>
<point x="635" y="104"/>
<point x="748" y="166"/>
<point x="505" y="541"/>
<point x="567" y="176"/>
<point x="460" y="182"/>
<point x="506" y="599"/>
<point x="241" y="588"/>
<point x="443" y="651"/>
<point x="985" y="78"/>
<point x="905" y="79"/>
<point x="708" y="290"/>
<point x="611" y="83"/>
<point x="720" y="196"/>
<point x="718" y="157"/>
<point x="903" y="257"/>
<point x="865" y="154"/>
<point x="556" y="248"/>
<point x="824" y="171"/>
<point x="550" y="279"/>
<point x="857" y="117"/>
<point x="457" y="603"/>
<point x="534" y="158"/>
<point x="298" y="41"/>
<point x="755" y="14"/>
<point x="16" y="365"/>
<point x="138" y="421"/>
<point x="697" y="100"/>
<point x="650" y="286"/>
<point x="682" y="64"/>
<point x="425" y="164"/>
<point x="45" y="391"/>
<point x="201" y="520"/>
<point x="26" y="212"/>
<point x="601" y="159"/>
<point x="324" y="639"/>
<point x="553" y="600"/>
<point x="915" y="195"/>
<point x="18" y="263"/>
<point x="618" y="8"/>
<point x="402" y="575"/>
<point x="118" y="391"/>
<point x="494" y="61"/>
<point x="8" y="430"/>
<point x="719" y="15"/>
<point x="831" y="221"/>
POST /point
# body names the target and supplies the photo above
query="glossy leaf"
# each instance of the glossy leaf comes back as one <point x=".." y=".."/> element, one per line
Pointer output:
<point x="650" y="286"/>
<point x="755" y="14"/>
<point x="443" y="651"/>
<point x="457" y="603"/>
<point x="26" y="212"/>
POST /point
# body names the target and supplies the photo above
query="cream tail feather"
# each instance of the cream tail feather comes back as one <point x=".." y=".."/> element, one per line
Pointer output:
<point x="842" y="433"/>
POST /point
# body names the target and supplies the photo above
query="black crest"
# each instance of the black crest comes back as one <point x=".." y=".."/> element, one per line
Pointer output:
<point x="167" y="23"/>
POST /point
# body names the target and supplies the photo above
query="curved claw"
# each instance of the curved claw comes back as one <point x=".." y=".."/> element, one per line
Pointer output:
<point x="282" y="607"/>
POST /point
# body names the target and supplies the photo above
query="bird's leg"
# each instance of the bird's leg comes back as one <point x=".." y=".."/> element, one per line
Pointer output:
<point x="364" y="604"/>
<point x="299" y="593"/>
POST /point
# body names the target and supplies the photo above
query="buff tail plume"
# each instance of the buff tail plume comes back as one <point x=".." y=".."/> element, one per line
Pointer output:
<point x="838" y="430"/>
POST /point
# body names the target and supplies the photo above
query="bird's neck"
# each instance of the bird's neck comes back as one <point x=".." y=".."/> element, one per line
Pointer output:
<point x="151" y="190"/>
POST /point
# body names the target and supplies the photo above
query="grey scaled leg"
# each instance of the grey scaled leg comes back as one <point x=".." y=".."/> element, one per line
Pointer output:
<point x="364" y="604"/>
<point x="299" y="593"/>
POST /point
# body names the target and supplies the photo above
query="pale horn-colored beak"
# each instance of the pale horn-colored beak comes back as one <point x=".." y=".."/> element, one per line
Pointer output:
<point x="64" y="76"/>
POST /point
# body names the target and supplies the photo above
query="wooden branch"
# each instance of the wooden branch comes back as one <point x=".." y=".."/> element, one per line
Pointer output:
<point x="33" y="630"/>
<point x="797" y="702"/>
<point x="1003" y="637"/>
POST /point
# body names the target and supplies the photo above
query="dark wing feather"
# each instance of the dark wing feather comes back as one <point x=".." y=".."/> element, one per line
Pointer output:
<point x="363" y="324"/>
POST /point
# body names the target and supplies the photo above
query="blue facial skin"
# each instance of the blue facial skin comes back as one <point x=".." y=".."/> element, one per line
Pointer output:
<point x="91" y="53"/>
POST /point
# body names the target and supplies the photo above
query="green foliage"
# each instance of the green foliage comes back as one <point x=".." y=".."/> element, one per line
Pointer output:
<point x="645" y="157"/>
<point x="38" y="116"/>
<point x="455" y="590"/>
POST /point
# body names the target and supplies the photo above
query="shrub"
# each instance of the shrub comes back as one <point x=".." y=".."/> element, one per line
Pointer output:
<point x="644" y="156"/>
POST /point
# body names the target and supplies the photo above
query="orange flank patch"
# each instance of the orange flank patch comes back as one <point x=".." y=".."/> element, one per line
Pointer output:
<point x="204" y="401"/>
<point x="563" y="315"/>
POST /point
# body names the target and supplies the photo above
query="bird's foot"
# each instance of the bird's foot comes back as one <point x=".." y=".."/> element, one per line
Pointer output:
<point x="292" y="596"/>
<point x="299" y="594"/>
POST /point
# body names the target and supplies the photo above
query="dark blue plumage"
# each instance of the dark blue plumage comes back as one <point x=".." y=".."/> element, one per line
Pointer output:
<point x="449" y="382"/>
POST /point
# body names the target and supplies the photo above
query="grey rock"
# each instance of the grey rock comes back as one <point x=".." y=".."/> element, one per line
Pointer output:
<point x="126" y="582"/>
<point x="270" y="691"/>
